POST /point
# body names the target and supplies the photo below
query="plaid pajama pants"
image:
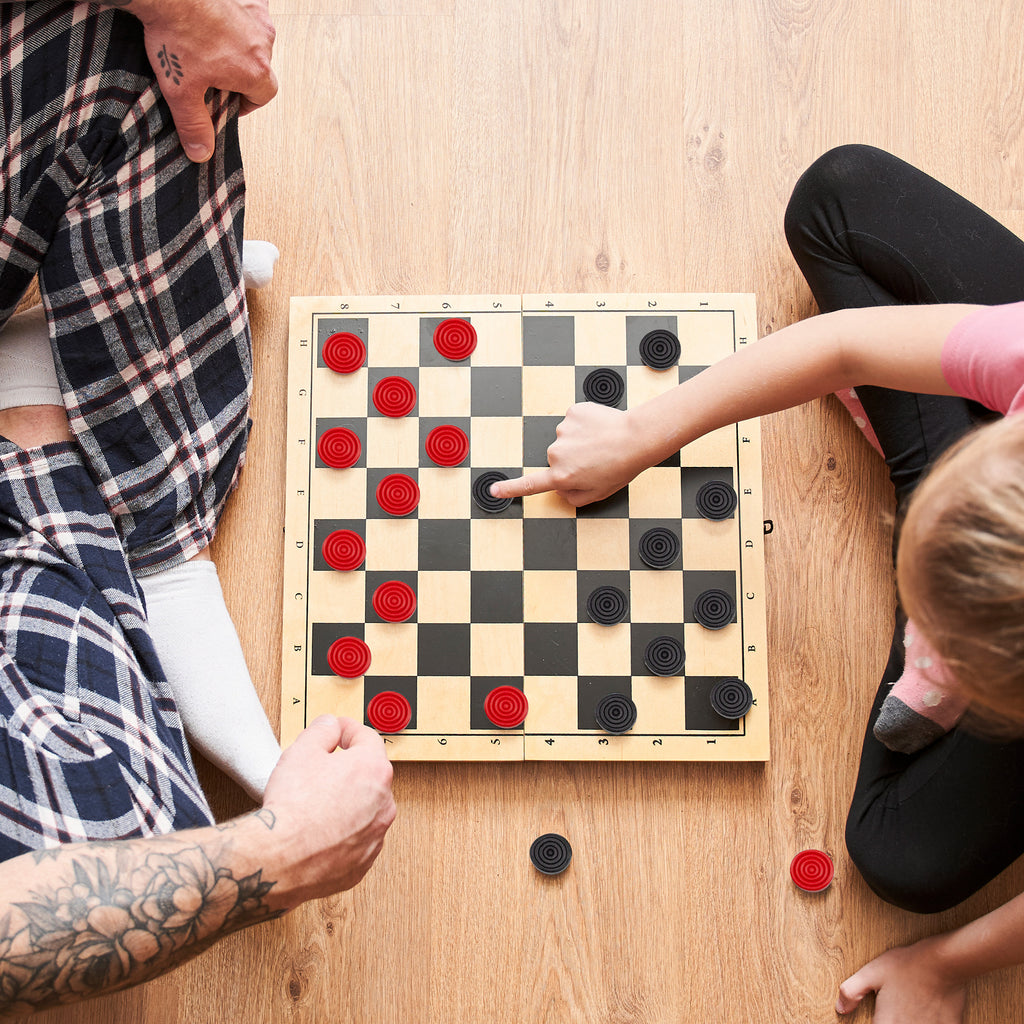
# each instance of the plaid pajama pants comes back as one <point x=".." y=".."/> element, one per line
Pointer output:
<point x="138" y="253"/>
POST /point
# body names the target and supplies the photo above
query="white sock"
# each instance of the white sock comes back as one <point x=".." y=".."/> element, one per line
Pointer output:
<point x="198" y="647"/>
<point x="27" y="375"/>
<point x="258" y="259"/>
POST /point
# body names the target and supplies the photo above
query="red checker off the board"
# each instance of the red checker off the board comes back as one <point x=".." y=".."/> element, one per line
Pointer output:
<point x="348" y="657"/>
<point x="447" y="445"/>
<point x="455" y="339"/>
<point x="344" y="352"/>
<point x="506" y="706"/>
<point x="812" y="870"/>
<point x="389" y="712"/>
<point x="394" y="601"/>
<point x="398" y="494"/>
<point x="344" y="550"/>
<point x="394" y="396"/>
<point x="339" y="447"/>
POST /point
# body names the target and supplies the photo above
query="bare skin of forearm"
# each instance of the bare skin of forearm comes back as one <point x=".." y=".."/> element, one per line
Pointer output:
<point x="98" y="917"/>
<point x="890" y="346"/>
<point x="987" y="944"/>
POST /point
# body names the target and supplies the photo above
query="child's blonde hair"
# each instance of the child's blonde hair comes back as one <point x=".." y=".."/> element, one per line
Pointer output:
<point x="961" y="568"/>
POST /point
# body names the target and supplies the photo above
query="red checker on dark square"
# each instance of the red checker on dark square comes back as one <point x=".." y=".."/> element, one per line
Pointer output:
<point x="328" y="325"/>
<point x="405" y="685"/>
<point x="373" y="478"/>
<point x="374" y="578"/>
<point x="429" y="355"/>
<point x="322" y="635"/>
<point x="322" y="529"/>
<point x="358" y="427"/>
<point x="479" y="688"/>
<point x="429" y="423"/>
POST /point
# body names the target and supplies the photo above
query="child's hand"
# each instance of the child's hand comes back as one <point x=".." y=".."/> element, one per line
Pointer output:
<point x="596" y="452"/>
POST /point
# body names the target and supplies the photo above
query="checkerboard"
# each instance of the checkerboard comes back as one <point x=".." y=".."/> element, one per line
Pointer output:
<point x="501" y="597"/>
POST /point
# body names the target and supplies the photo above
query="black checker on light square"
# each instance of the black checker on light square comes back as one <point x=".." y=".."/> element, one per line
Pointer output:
<point x="496" y="391"/>
<point x="496" y="596"/>
<point x="405" y="685"/>
<point x="616" y="506"/>
<point x="322" y="636"/>
<point x="549" y="544"/>
<point x="322" y="529"/>
<point x="377" y="373"/>
<point x="551" y="649"/>
<point x="582" y="372"/>
<point x="591" y="690"/>
<point x="638" y="527"/>
<point x="693" y="478"/>
<point x="588" y="580"/>
<point x="638" y="327"/>
<point x="429" y="356"/>
<point x="373" y="478"/>
<point x="358" y="427"/>
<point x="699" y="715"/>
<point x="538" y="434"/>
<point x="375" y="577"/>
<point x="444" y="544"/>
<point x="513" y="511"/>
<point x="641" y="634"/>
<point x="479" y="688"/>
<point x="696" y="581"/>
<point x="429" y="423"/>
<point x="549" y="340"/>
<point x="328" y="325"/>
<point x="442" y="648"/>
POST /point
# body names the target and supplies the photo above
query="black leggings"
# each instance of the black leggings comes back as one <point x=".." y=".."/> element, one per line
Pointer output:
<point x="926" y="830"/>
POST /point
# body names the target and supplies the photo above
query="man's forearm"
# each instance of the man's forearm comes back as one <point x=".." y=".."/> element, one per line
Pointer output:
<point x="92" y="918"/>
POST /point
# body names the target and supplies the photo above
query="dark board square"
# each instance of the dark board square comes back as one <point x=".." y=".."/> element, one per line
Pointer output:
<point x="549" y="544"/>
<point x="696" y="581"/>
<point x="377" y="373"/>
<point x="693" y="478"/>
<point x="689" y="372"/>
<point x="358" y="427"/>
<point x="429" y="356"/>
<point x="637" y="327"/>
<point x="549" y="340"/>
<point x="328" y="325"/>
<point x="374" y="578"/>
<point x="588" y="580"/>
<point x="551" y="649"/>
<point x="496" y="391"/>
<point x="479" y="688"/>
<point x="641" y="634"/>
<point x="322" y="636"/>
<point x="700" y="716"/>
<point x="405" y="685"/>
<point x="614" y="507"/>
<point x="591" y="690"/>
<point x="496" y="596"/>
<point x="322" y="529"/>
<point x="444" y="544"/>
<point x="538" y="434"/>
<point x="443" y="649"/>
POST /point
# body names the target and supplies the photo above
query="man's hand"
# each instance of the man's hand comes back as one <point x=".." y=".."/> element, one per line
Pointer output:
<point x="195" y="45"/>
<point x="330" y="797"/>
<point x="910" y="986"/>
<point x="596" y="452"/>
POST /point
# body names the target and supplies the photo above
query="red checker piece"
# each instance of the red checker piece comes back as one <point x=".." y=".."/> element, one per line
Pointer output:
<point x="348" y="657"/>
<point x="394" y="396"/>
<point x="344" y="550"/>
<point x="398" y="494"/>
<point x="339" y="447"/>
<point x="447" y="445"/>
<point x="344" y="352"/>
<point x="812" y="870"/>
<point x="455" y="339"/>
<point x="389" y="712"/>
<point x="394" y="601"/>
<point x="506" y="706"/>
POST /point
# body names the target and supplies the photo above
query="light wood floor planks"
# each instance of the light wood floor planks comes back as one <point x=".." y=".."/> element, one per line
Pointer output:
<point x="464" y="146"/>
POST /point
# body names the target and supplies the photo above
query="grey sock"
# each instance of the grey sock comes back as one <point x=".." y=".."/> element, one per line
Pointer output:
<point x="902" y="729"/>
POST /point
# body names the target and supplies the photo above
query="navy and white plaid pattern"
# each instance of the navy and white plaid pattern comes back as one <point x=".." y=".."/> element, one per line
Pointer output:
<point x="138" y="253"/>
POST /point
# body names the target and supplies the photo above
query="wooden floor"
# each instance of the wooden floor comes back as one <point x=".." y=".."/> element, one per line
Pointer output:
<point x="461" y="146"/>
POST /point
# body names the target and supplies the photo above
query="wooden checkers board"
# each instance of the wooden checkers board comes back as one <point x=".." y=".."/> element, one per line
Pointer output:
<point x="442" y="616"/>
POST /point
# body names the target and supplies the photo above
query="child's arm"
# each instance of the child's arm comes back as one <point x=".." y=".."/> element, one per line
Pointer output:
<point x="599" y="450"/>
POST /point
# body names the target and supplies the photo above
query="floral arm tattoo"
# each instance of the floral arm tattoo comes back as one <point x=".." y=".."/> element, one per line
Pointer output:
<point x="97" y="917"/>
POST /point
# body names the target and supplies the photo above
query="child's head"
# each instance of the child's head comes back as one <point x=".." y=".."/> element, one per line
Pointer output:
<point x="961" y="567"/>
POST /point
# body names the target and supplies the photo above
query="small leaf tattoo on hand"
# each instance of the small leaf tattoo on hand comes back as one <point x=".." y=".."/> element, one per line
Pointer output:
<point x="170" y="65"/>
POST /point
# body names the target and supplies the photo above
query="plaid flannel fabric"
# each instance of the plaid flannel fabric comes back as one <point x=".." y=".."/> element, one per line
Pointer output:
<point x="138" y="253"/>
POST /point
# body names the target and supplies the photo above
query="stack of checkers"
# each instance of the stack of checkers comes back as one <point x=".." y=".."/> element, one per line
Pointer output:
<point x="463" y="618"/>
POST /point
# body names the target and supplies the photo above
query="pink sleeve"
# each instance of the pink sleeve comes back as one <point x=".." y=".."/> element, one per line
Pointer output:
<point x="983" y="357"/>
